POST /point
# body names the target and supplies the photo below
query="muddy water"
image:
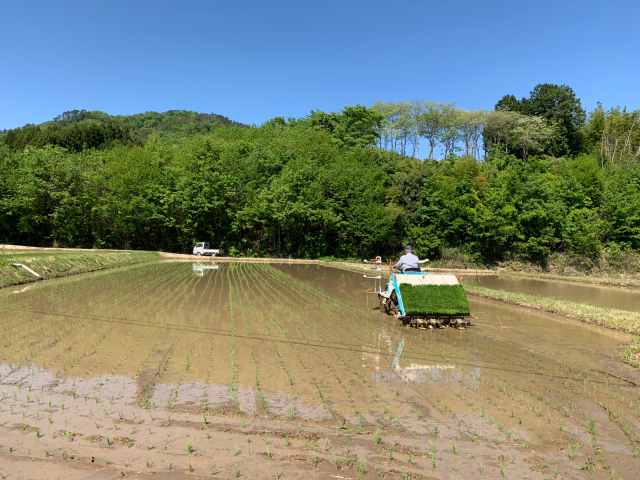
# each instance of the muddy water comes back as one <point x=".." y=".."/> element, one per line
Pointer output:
<point x="551" y="334"/>
<point x="601" y="296"/>
<point x="121" y="371"/>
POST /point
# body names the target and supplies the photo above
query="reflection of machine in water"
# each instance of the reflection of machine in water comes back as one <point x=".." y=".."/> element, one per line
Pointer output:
<point x="199" y="268"/>
<point x="379" y="350"/>
<point x="418" y="373"/>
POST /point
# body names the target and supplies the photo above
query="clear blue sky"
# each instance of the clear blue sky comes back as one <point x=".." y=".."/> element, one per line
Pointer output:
<point x="254" y="60"/>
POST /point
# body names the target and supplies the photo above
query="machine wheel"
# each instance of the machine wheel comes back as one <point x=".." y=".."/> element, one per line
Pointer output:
<point x="384" y="305"/>
<point x="199" y="254"/>
<point x="392" y="305"/>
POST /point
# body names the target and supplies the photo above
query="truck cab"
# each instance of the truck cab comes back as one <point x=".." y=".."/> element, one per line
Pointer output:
<point x="202" y="248"/>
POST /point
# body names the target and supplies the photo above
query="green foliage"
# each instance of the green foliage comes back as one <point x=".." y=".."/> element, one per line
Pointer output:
<point x="434" y="299"/>
<point x="558" y="105"/>
<point x="353" y="126"/>
<point x="309" y="188"/>
<point x="76" y="138"/>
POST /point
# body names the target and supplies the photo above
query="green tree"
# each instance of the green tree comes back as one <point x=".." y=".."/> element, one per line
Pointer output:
<point x="558" y="105"/>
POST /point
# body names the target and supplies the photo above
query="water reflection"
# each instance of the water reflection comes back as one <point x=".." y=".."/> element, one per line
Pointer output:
<point x="199" y="268"/>
<point x="601" y="296"/>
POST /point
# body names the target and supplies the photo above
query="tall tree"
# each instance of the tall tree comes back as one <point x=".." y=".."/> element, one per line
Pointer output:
<point x="558" y="105"/>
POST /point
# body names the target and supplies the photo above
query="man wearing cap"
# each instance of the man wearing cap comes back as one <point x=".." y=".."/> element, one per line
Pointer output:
<point x="408" y="262"/>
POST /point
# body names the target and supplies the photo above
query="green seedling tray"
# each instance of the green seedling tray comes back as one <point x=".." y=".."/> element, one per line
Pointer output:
<point x="434" y="300"/>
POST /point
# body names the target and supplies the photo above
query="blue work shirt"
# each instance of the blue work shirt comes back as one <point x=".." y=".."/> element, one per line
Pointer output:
<point x="408" y="260"/>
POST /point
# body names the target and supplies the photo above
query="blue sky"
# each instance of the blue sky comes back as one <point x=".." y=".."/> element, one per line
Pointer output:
<point x="254" y="60"/>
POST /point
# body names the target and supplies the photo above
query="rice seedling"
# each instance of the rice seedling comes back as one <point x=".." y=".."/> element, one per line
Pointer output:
<point x="190" y="448"/>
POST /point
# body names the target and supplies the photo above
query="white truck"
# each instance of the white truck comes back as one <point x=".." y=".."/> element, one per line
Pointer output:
<point x="202" y="248"/>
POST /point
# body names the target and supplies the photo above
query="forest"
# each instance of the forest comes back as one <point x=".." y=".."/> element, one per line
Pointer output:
<point x="528" y="179"/>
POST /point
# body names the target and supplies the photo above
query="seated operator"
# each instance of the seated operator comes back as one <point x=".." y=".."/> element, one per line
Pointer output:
<point x="408" y="262"/>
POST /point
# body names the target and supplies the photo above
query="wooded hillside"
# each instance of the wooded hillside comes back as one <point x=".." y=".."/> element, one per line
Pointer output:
<point x="529" y="182"/>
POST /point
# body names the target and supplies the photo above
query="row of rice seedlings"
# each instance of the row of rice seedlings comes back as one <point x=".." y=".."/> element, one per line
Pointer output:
<point x="66" y="332"/>
<point x="279" y="355"/>
<point x="139" y="303"/>
<point x="238" y="284"/>
<point x="176" y="292"/>
<point x="205" y="312"/>
<point x="213" y="340"/>
<point x="538" y="411"/>
<point x="195" y="341"/>
<point x="276" y="302"/>
<point x="184" y="296"/>
<point x="73" y="293"/>
<point x="18" y="314"/>
<point x="359" y="320"/>
<point x="107" y="411"/>
<point x="301" y="290"/>
<point x="340" y="325"/>
<point x="276" y="294"/>
<point x="234" y="374"/>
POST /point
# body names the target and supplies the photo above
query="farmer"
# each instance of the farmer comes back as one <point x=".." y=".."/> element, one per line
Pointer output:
<point x="408" y="262"/>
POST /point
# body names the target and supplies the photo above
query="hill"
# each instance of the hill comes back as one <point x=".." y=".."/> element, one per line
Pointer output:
<point x="76" y="130"/>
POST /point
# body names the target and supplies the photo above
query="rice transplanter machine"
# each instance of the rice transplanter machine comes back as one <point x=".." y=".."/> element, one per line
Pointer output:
<point x="421" y="299"/>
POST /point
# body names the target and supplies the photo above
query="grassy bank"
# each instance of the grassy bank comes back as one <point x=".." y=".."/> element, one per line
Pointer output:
<point x="51" y="264"/>
<point x="607" y="317"/>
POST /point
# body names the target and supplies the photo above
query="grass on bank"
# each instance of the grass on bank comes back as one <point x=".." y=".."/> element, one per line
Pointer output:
<point x="51" y="264"/>
<point x="631" y="354"/>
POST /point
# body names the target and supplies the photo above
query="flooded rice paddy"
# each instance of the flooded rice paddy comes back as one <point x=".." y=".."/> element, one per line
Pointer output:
<point x="601" y="296"/>
<point x="289" y="371"/>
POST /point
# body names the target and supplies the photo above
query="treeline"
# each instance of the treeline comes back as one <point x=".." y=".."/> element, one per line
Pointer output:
<point x="78" y="129"/>
<point x="550" y="122"/>
<point x="322" y="186"/>
<point x="76" y="138"/>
